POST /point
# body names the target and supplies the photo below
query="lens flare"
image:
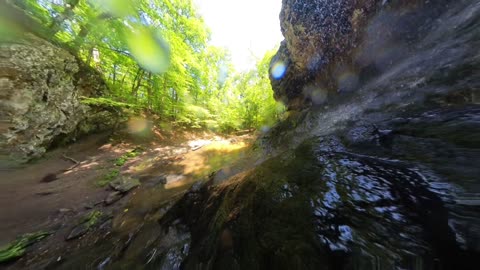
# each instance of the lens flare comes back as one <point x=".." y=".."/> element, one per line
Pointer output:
<point x="278" y="70"/>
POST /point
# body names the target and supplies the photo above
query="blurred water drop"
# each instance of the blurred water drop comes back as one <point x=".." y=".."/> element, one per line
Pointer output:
<point x="315" y="63"/>
<point x="347" y="82"/>
<point x="8" y="29"/>
<point x="223" y="74"/>
<point x="117" y="8"/>
<point x="150" y="50"/>
<point x="280" y="107"/>
<point x="317" y="94"/>
<point x="137" y="125"/>
<point x="278" y="70"/>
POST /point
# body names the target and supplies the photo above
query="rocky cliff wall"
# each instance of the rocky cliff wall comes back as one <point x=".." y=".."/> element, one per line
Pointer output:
<point x="40" y="89"/>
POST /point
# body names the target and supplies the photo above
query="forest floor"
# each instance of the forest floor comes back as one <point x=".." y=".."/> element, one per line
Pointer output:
<point x="53" y="193"/>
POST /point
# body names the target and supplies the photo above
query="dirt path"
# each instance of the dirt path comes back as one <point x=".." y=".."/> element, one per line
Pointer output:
<point x="27" y="204"/>
<point x="165" y="170"/>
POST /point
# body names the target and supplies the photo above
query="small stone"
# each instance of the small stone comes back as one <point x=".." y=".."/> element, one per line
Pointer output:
<point x="197" y="186"/>
<point x="78" y="231"/>
<point x="155" y="181"/>
<point x="124" y="184"/>
<point x="113" y="197"/>
<point x="161" y="179"/>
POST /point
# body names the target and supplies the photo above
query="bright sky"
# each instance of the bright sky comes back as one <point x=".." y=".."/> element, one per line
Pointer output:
<point x="247" y="28"/>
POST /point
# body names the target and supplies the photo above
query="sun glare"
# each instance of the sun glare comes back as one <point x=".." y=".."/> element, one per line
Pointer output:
<point x="246" y="28"/>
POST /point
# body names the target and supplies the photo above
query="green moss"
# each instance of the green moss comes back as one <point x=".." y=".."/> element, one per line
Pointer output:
<point x="106" y="102"/>
<point x="125" y="157"/>
<point x="17" y="248"/>
<point x="268" y="211"/>
<point x="120" y="161"/>
<point x="87" y="223"/>
<point x="92" y="218"/>
<point x="108" y="177"/>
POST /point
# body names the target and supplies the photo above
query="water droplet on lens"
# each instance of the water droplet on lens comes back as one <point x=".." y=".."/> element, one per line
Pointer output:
<point x="317" y="94"/>
<point x="118" y="8"/>
<point x="150" y="50"/>
<point x="347" y="82"/>
<point x="265" y="129"/>
<point x="223" y="74"/>
<point x="137" y="125"/>
<point x="278" y="70"/>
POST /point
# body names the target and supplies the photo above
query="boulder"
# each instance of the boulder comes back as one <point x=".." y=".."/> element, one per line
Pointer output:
<point x="40" y="89"/>
<point x="332" y="47"/>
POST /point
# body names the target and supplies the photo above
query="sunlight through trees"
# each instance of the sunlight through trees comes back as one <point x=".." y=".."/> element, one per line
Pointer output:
<point x="156" y="55"/>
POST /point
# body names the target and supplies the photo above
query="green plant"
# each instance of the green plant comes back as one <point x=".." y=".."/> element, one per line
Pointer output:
<point x="125" y="157"/>
<point x="105" y="102"/>
<point x="17" y="248"/>
<point x="108" y="177"/>
<point x="120" y="161"/>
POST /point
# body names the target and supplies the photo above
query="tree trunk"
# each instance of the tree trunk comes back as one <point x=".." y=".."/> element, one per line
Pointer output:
<point x="137" y="82"/>
<point x="114" y="77"/>
<point x="149" y="91"/>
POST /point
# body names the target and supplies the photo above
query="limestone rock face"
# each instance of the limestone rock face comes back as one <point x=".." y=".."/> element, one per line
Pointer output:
<point x="40" y="86"/>
<point x="333" y="46"/>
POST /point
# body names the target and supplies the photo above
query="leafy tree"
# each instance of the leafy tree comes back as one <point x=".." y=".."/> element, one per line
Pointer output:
<point x="155" y="54"/>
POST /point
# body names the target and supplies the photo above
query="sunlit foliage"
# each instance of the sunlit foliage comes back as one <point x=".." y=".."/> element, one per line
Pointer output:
<point x="154" y="54"/>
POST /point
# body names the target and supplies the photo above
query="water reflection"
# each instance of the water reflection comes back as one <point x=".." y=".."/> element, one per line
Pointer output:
<point x="323" y="205"/>
<point x="166" y="178"/>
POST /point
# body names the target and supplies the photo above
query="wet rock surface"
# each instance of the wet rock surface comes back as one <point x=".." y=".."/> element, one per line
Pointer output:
<point x="381" y="171"/>
<point x="333" y="47"/>
<point x="316" y="209"/>
<point x="87" y="223"/>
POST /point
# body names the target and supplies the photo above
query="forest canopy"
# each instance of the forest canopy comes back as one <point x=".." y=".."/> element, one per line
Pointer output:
<point x="155" y="55"/>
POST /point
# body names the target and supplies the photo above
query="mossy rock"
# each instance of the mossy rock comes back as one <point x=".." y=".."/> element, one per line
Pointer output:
<point x="104" y="180"/>
<point x="124" y="184"/>
<point x="86" y="223"/>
